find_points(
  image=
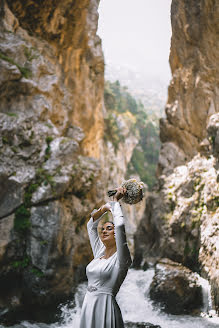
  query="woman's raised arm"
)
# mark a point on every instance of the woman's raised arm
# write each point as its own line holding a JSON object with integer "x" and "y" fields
{"x": 121, "y": 242}
{"x": 96, "y": 244}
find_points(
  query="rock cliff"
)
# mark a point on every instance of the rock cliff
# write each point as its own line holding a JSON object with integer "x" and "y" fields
{"x": 55, "y": 166}
{"x": 193, "y": 91}
{"x": 182, "y": 214}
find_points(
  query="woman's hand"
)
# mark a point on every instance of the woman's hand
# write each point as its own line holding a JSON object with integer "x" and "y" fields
{"x": 96, "y": 214}
{"x": 120, "y": 193}
{"x": 105, "y": 208}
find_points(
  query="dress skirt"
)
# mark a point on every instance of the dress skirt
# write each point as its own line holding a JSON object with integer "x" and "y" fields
{"x": 100, "y": 311}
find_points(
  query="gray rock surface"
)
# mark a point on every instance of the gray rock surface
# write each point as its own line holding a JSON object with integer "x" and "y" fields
{"x": 181, "y": 220}
{"x": 176, "y": 288}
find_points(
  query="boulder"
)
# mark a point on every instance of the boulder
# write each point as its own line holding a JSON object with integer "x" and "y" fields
{"x": 176, "y": 288}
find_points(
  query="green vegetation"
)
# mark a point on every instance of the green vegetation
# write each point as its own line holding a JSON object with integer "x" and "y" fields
{"x": 112, "y": 131}
{"x": 49, "y": 139}
{"x": 30, "y": 53}
{"x": 212, "y": 140}
{"x": 21, "y": 263}
{"x": 22, "y": 222}
{"x": 49, "y": 125}
{"x": 5, "y": 140}
{"x": 37, "y": 272}
{"x": 24, "y": 70}
{"x": 26, "y": 263}
{"x": 44, "y": 242}
{"x": 43, "y": 177}
{"x": 12, "y": 114}
{"x": 167, "y": 217}
{"x": 80, "y": 222}
{"x": 22, "y": 214}
{"x": 216, "y": 201}
{"x": 118, "y": 101}
{"x": 14, "y": 149}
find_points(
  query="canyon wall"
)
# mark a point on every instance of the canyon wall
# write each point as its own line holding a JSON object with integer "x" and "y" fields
{"x": 55, "y": 165}
{"x": 193, "y": 90}
{"x": 182, "y": 214}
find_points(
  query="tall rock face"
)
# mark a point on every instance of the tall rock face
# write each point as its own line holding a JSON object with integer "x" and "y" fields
{"x": 182, "y": 214}
{"x": 55, "y": 166}
{"x": 64, "y": 33}
{"x": 193, "y": 91}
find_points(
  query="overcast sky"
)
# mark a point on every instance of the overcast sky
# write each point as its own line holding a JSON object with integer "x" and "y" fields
{"x": 136, "y": 33}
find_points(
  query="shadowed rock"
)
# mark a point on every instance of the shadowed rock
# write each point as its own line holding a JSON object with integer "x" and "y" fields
{"x": 140, "y": 325}
{"x": 176, "y": 288}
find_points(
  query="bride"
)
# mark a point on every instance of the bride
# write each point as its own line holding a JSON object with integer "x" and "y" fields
{"x": 107, "y": 271}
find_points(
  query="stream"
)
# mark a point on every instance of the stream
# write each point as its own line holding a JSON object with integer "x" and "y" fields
{"x": 136, "y": 306}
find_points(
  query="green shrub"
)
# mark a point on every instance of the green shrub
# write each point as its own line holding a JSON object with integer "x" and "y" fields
{"x": 21, "y": 221}
{"x": 112, "y": 131}
{"x": 21, "y": 263}
{"x": 37, "y": 272}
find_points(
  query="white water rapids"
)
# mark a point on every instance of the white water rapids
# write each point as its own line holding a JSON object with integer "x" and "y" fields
{"x": 136, "y": 306}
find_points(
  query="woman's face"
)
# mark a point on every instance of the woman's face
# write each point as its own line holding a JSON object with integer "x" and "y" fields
{"x": 107, "y": 233}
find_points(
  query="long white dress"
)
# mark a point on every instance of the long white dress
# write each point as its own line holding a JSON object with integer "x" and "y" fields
{"x": 105, "y": 276}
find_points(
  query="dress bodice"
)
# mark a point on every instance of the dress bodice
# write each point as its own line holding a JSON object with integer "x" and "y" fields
{"x": 108, "y": 273}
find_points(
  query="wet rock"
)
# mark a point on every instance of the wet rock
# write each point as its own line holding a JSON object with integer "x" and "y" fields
{"x": 140, "y": 325}
{"x": 176, "y": 288}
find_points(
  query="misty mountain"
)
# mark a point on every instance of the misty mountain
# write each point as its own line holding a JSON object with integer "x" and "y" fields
{"x": 150, "y": 90}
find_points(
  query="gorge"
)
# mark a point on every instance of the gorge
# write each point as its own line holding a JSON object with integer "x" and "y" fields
{"x": 56, "y": 163}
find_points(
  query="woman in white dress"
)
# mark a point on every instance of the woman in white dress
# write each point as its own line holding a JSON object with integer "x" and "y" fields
{"x": 107, "y": 271}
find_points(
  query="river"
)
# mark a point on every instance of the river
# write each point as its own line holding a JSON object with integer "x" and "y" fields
{"x": 136, "y": 306}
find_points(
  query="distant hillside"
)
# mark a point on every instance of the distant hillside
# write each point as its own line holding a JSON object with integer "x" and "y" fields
{"x": 119, "y": 101}
{"x": 151, "y": 91}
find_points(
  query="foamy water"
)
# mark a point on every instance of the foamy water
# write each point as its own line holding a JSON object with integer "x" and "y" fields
{"x": 136, "y": 306}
